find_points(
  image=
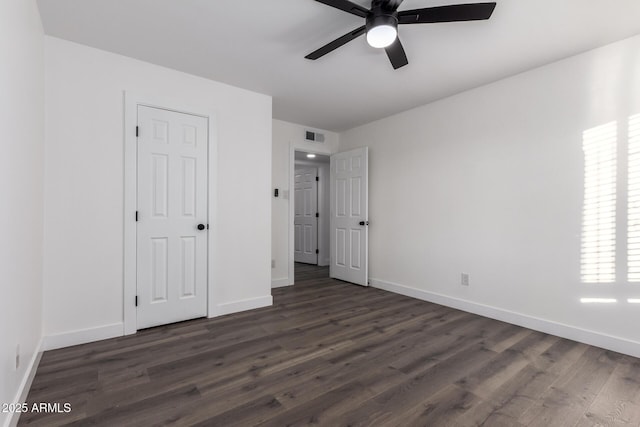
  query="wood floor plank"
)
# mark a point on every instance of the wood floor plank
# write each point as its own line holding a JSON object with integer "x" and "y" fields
{"x": 442, "y": 409}
{"x": 149, "y": 411}
{"x": 250, "y": 413}
{"x": 484, "y": 382}
{"x": 570, "y": 396}
{"x": 334, "y": 354}
{"x": 618, "y": 403}
{"x": 511, "y": 399}
{"x": 321, "y": 409}
{"x": 403, "y": 397}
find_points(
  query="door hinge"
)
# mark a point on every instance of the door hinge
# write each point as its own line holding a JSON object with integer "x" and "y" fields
{"x": 137, "y": 131}
{"x": 136, "y": 300}
{"x": 136, "y": 216}
{"x": 317, "y": 251}
{"x": 317, "y": 215}
{"x": 317, "y": 178}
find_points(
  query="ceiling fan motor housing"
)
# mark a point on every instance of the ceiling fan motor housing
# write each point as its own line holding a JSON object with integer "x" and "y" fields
{"x": 381, "y": 15}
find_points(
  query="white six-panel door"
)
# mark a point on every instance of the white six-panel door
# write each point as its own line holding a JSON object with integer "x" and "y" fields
{"x": 172, "y": 203}
{"x": 305, "y": 210}
{"x": 349, "y": 216}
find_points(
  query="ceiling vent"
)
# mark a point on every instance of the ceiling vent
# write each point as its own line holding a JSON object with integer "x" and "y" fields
{"x": 314, "y": 136}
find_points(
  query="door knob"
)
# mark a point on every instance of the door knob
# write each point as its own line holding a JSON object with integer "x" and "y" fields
{"x": 201, "y": 227}
{"x": 364, "y": 222}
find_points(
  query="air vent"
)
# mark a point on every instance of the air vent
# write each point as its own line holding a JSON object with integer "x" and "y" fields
{"x": 314, "y": 136}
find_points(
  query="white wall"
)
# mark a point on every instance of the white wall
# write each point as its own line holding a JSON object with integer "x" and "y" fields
{"x": 83, "y": 258}
{"x": 288, "y": 137}
{"x": 490, "y": 183}
{"x": 21, "y": 182}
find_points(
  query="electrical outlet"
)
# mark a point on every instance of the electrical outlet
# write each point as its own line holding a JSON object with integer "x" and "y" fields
{"x": 273, "y": 263}
{"x": 464, "y": 279}
{"x": 17, "y": 356}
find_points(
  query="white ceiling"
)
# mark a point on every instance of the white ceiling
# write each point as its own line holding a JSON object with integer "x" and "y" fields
{"x": 260, "y": 45}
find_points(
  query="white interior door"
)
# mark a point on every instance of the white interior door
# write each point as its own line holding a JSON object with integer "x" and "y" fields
{"x": 172, "y": 217}
{"x": 349, "y": 216}
{"x": 306, "y": 211}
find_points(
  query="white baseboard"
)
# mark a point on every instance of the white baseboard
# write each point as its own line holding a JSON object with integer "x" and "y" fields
{"x": 83, "y": 336}
{"x": 279, "y": 283}
{"x": 609, "y": 342}
{"x": 242, "y": 305}
{"x": 25, "y": 384}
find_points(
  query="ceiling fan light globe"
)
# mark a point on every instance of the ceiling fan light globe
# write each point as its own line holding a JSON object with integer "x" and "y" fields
{"x": 382, "y": 36}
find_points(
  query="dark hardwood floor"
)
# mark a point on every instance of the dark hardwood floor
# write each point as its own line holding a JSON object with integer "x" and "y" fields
{"x": 330, "y": 353}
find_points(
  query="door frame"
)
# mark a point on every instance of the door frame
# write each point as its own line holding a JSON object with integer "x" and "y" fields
{"x": 131, "y": 102}
{"x": 293, "y": 147}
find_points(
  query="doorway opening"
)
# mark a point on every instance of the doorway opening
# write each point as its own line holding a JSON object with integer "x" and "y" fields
{"x": 348, "y": 223}
{"x": 311, "y": 215}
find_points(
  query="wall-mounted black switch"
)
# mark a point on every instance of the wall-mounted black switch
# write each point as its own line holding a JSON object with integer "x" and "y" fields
{"x": 275, "y": 193}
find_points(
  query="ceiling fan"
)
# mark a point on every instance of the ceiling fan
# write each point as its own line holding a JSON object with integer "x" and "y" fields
{"x": 383, "y": 18}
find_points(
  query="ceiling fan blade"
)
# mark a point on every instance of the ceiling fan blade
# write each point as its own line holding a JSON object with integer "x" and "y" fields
{"x": 396, "y": 54}
{"x": 452, "y": 13}
{"x": 394, "y": 4}
{"x": 347, "y": 6}
{"x": 329, "y": 47}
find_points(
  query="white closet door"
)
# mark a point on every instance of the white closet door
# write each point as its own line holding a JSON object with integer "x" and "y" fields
{"x": 172, "y": 217}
